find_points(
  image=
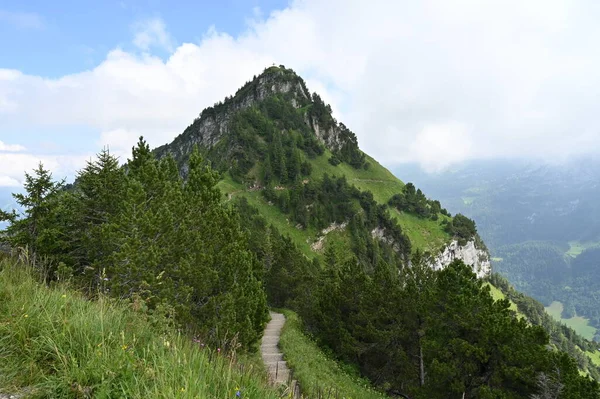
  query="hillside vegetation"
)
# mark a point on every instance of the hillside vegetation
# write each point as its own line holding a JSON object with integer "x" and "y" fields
{"x": 318, "y": 374}
{"x": 563, "y": 336}
{"x": 55, "y": 343}
{"x": 541, "y": 223}
{"x": 271, "y": 145}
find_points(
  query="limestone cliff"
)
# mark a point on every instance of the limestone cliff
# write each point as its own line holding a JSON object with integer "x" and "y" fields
{"x": 477, "y": 258}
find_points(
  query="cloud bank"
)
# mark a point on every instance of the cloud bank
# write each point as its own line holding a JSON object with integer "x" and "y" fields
{"x": 433, "y": 82}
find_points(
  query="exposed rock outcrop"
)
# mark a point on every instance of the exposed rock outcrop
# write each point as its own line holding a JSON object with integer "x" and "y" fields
{"x": 317, "y": 246}
{"x": 331, "y": 137}
{"x": 478, "y": 259}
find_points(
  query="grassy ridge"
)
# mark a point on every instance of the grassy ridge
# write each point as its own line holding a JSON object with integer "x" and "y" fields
{"x": 58, "y": 344}
{"x": 318, "y": 375}
{"x": 302, "y": 238}
{"x": 424, "y": 234}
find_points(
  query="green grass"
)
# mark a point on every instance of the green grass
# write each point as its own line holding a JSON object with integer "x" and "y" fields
{"x": 318, "y": 374}
{"x": 425, "y": 234}
{"x": 555, "y": 310}
{"x": 377, "y": 179}
{"x": 577, "y": 323}
{"x": 497, "y": 295}
{"x": 302, "y": 237}
{"x": 577, "y": 247}
{"x": 57, "y": 344}
{"x": 594, "y": 357}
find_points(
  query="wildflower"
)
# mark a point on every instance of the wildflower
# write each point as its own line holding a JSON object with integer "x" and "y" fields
{"x": 63, "y": 296}
{"x": 124, "y": 347}
{"x": 218, "y": 350}
{"x": 238, "y": 392}
{"x": 25, "y": 316}
{"x": 182, "y": 389}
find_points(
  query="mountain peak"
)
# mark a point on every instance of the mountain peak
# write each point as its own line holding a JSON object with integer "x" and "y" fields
{"x": 273, "y": 80}
{"x": 225, "y": 130}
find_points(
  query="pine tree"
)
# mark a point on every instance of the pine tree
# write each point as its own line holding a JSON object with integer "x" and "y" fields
{"x": 98, "y": 201}
{"x": 39, "y": 202}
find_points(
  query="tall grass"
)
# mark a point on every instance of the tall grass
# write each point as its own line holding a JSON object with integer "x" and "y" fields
{"x": 318, "y": 375}
{"x": 54, "y": 343}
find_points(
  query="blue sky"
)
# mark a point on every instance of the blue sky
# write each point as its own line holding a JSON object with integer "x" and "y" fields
{"x": 55, "y": 38}
{"x": 433, "y": 82}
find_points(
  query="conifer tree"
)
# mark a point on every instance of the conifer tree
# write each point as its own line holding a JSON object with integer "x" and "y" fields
{"x": 98, "y": 201}
{"x": 39, "y": 202}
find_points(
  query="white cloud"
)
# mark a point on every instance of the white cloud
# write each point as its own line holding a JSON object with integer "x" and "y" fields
{"x": 6, "y": 181}
{"x": 434, "y": 81}
{"x": 119, "y": 142}
{"x": 22, "y": 20}
{"x": 13, "y": 166}
{"x": 150, "y": 33}
{"x": 11, "y": 147}
{"x": 438, "y": 145}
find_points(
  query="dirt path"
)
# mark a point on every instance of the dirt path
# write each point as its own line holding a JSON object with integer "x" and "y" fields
{"x": 277, "y": 368}
{"x": 371, "y": 180}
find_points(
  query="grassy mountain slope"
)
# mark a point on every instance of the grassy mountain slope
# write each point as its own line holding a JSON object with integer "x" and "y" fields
{"x": 174, "y": 247}
{"x": 424, "y": 234}
{"x": 280, "y": 149}
{"x": 318, "y": 374}
{"x": 56, "y": 343}
{"x": 274, "y": 114}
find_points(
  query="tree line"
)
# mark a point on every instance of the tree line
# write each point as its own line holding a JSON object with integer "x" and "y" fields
{"x": 143, "y": 233}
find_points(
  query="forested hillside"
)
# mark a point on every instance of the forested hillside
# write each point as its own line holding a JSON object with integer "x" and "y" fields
{"x": 266, "y": 200}
{"x": 273, "y": 138}
{"x": 541, "y": 223}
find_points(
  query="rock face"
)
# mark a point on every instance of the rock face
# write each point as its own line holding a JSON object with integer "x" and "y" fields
{"x": 381, "y": 234}
{"x": 330, "y": 137}
{"x": 477, "y": 258}
{"x": 213, "y": 123}
{"x": 317, "y": 246}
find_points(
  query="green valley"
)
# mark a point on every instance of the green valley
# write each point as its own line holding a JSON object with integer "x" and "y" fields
{"x": 577, "y": 323}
